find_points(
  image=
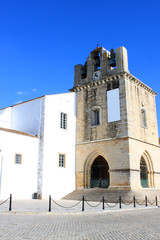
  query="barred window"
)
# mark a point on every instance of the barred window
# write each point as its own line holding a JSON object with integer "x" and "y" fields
{"x": 61, "y": 160}
{"x": 63, "y": 121}
{"x": 18, "y": 159}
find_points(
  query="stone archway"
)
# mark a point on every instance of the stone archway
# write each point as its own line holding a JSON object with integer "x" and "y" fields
{"x": 143, "y": 173}
{"x": 99, "y": 173}
{"x": 146, "y": 171}
{"x": 96, "y": 168}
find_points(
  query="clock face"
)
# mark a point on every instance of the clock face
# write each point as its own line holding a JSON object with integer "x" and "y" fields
{"x": 96, "y": 75}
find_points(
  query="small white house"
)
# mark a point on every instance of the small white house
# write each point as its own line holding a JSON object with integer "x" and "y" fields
{"x": 37, "y": 147}
{"x": 18, "y": 163}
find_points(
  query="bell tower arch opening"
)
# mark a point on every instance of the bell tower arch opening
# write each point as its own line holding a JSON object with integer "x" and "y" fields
{"x": 99, "y": 173}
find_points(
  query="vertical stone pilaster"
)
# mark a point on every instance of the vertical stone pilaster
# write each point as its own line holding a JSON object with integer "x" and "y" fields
{"x": 40, "y": 154}
{"x": 122, "y": 59}
{"x": 77, "y": 74}
{"x": 90, "y": 69}
{"x": 123, "y": 129}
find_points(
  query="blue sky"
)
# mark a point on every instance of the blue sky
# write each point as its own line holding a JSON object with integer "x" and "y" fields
{"x": 41, "y": 41}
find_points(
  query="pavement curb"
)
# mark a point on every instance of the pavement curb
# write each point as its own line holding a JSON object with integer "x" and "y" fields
{"x": 78, "y": 213}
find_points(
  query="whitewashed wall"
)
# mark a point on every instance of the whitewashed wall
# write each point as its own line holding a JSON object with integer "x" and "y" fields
{"x": 32, "y": 117}
{"x": 5, "y": 117}
{"x": 18, "y": 179}
{"x": 26, "y": 117}
{"x": 59, "y": 181}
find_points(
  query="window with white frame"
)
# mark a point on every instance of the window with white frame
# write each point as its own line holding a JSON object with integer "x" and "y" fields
{"x": 63, "y": 120}
{"x": 143, "y": 117}
{"x": 61, "y": 160}
{"x": 95, "y": 116}
{"x": 18, "y": 158}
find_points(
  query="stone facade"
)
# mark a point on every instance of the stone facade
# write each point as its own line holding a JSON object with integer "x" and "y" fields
{"x": 122, "y": 142}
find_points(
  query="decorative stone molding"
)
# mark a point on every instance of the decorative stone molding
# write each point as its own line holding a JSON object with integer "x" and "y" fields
{"x": 112, "y": 78}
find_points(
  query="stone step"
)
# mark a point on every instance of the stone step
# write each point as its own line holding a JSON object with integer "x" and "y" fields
{"x": 96, "y": 194}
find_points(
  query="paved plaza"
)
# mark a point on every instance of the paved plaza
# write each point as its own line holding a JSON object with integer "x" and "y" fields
{"x": 137, "y": 224}
{"x": 31, "y": 220}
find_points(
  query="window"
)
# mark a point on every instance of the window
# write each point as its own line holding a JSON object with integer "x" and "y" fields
{"x": 18, "y": 159}
{"x": 144, "y": 117}
{"x": 63, "y": 121}
{"x": 95, "y": 117}
{"x": 61, "y": 160}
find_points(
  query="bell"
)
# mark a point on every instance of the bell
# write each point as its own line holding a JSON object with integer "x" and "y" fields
{"x": 113, "y": 62}
{"x": 112, "y": 58}
{"x": 84, "y": 71}
{"x": 97, "y": 63}
{"x": 97, "y": 59}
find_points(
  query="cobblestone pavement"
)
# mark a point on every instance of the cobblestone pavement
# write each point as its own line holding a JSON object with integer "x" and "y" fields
{"x": 116, "y": 225}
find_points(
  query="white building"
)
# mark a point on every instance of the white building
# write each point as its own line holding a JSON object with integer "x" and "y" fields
{"x": 37, "y": 147}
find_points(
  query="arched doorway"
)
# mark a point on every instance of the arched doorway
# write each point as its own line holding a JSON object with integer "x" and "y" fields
{"x": 99, "y": 173}
{"x": 144, "y": 173}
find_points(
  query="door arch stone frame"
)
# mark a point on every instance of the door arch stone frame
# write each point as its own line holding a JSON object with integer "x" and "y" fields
{"x": 87, "y": 166}
{"x": 148, "y": 160}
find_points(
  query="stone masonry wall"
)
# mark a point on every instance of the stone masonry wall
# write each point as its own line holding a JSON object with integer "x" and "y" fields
{"x": 97, "y": 96}
{"x": 137, "y": 98}
{"x": 122, "y": 143}
{"x": 137, "y": 149}
{"x": 116, "y": 154}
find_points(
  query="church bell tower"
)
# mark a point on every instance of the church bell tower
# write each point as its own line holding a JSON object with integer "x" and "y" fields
{"x": 114, "y": 129}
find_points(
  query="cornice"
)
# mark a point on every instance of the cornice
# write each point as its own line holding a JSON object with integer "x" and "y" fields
{"x": 107, "y": 79}
{"x": 117, "y": 139}
{"x": 139, "y": 83}
{"x": 102, "y": 81}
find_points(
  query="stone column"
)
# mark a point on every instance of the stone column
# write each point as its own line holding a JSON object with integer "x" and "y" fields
{"x": 122, "y": 59}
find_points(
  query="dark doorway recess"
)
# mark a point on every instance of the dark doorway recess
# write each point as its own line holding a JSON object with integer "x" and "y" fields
{"x": 99, "y": 173}
{"x": 143, "y": 173}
